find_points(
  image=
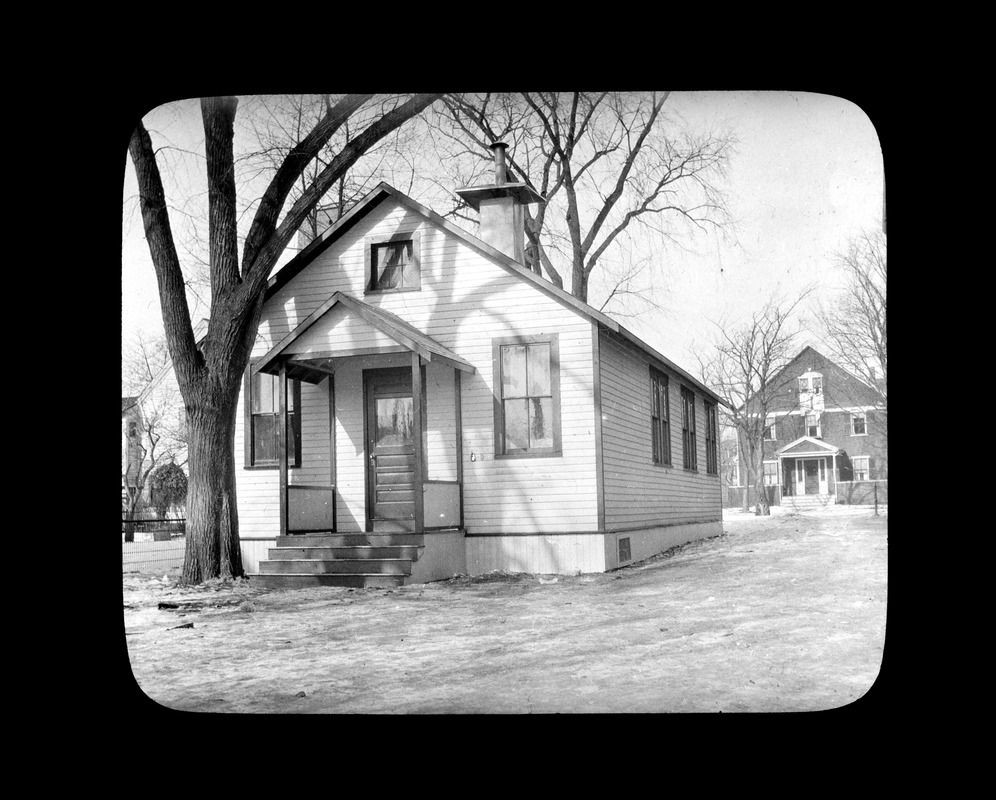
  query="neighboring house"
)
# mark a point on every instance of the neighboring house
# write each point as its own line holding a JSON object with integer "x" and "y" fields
{"x": 443, "y": 398}
{"x": 154, "y": 427}
{"x": 826, "y": 432}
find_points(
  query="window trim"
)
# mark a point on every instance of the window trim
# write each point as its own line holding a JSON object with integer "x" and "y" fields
{"x": 661, "y": 426}
{"x": 370, "y": 242}
{"x": 777, "y": 474}
{"x": 552, "y": 339}
{"x": 864, "y": 416}
{"x": 293, "y": 385}
{"x": 690, "y": 460}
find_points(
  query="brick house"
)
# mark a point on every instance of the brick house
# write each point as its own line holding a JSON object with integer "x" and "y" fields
{"x": 826, "y": 439}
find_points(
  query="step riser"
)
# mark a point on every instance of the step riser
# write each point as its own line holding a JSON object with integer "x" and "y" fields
{"x": 305, "y": 581}
{"x": 353, "y": 540}
{"x": 329, "y": 553}
{"x": 343, "y": 567}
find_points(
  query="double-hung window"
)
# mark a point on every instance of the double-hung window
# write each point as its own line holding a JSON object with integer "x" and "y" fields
{"x": 690, "y": 458}
{"x": 770, "y": 431}
{"x": 660, "y": 417}
{"x": 813, "y": 426}
{"x": 527, "y": 396}
{"x": 859, "y": 426}
{"x": 263, "y": 421}
{"x": 711, "y": 439}
{"x": 860, "y": 466}
{"x": 770, "y": 476}
{"x": 393, "y": 263}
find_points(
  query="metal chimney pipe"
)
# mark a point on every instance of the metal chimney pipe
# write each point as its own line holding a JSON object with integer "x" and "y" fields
{"x": 499, "y": 148}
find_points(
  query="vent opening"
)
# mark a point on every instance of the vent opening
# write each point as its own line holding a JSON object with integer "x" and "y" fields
{"x": 624, "y": 551}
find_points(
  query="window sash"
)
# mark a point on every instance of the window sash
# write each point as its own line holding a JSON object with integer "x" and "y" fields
{"x": 688, "y": 429}
{"x": 859, "y": 421}
{"x": 712, "y": 454}
{"x": 527, "y": 409}
{"x": 660, "y": 426}
{"x": 263, "y": 420}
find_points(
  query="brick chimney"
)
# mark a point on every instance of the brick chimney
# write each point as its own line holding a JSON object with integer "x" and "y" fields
{"x": 501, "y": 206}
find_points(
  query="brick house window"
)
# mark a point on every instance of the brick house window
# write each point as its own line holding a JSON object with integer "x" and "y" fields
{"x": 813, "y": 426}
{"x": 770, "y": 477}
{"x": 660, "y": 417}
{"x": 689, "y": 455}
{"x": 770, "y": 430}
{"x": 861, "y": 467}
{"x": 859, "y": 425}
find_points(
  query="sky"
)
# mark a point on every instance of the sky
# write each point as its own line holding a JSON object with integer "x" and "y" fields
{"x": 806, "y": 176}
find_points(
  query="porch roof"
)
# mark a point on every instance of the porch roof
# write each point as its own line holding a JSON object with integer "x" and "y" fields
{"x": 807, "y": 446}
{"x": 391, "y": 325}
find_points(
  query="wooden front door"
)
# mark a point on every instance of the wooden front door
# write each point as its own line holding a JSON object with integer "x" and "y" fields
{"x": 390, "y": 449}
{"x": 812, "y": 476}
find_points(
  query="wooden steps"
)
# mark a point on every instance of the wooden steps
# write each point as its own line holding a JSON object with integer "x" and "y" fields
{"x": 346, "y": 559}
{"x": 808, "y": 502}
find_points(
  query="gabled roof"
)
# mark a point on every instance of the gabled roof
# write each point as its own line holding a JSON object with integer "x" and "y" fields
{"x": 199, "y": 331}
{"x": 387, "y": 323}
{"x": 807, "y": 446}
{"x": 384, "y": 191}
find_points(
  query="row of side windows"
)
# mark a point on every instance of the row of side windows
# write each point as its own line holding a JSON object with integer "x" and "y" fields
{"x": 660, "y": 426}
{"x": 813, "y": 426}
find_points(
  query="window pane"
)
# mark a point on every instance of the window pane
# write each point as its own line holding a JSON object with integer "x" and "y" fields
{"x": 513, "y": 371}
{"x": 262, "y": 391}
{"x": 293, "y": 433}
{"x": 539, "y": 369}
{"x": 541, "y": 422}
{"x": 264, "y": 438}
{"x": 516, "y": 425}
{"x": 389, "y": 263}
{"x": 395, "y": 422}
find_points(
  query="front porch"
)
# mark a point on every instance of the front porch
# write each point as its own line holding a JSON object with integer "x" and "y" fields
{"x": 380, "y": 429}
{"x": 808, "y": 470}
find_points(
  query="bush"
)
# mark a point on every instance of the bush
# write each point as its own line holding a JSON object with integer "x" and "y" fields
{"x": 167, "y": 488}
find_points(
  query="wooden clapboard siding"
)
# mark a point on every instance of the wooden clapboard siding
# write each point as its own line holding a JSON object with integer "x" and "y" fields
{"x": 464, "y": 303}
{"x": 637, "y": 491}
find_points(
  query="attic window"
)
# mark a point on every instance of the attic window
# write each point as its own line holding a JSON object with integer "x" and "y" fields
{"x": 811, "y": 382}
{"x": 393, "y": 263}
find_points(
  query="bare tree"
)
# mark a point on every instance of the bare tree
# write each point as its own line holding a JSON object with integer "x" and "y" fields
{"x": 210, "y": 374}
{"x": 854, "y": 323}
{"x": 603, "y": 161}
{"x": 744, "y": 369}
{"x": 155, "y": 422}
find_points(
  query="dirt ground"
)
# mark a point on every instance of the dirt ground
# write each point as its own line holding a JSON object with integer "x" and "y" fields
{"x": 781, "y": 613}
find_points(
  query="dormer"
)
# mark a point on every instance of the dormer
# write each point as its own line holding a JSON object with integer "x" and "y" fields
{"x": 811, "y": 390}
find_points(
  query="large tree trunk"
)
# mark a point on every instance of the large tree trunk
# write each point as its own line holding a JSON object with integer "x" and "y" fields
{"x": 212, "y": 520}
{"x": 763, "y": 509}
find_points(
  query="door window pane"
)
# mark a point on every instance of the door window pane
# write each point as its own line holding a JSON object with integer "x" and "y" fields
{"x": 395, "y": 422}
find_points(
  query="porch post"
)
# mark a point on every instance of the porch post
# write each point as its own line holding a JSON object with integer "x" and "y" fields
{"x": 834, "y": 473}
{"x": 282, "y": 446}
{"x": 458, "y": 410}
{"x": 418, "y": 401}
